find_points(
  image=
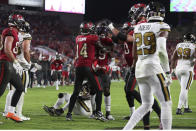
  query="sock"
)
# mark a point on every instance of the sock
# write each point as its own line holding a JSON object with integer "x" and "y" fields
{"x": 146, "y": 121}
{"x": 8, "y": 100}
{"x": 20, "y": 105}
{"x": 132, "y": 109}
{"x": 107, "y": 100}
{"x": 57, "y": 85}
{"x": 186, "y": 105}
{"x": 66, "y": 106}
{"x": 137, "y": 116}
{"x": 166, "y": 115}
{"x": 93, "y": 102}
{"x": 98, "y": 100}
{"x": 59, "y": 102}
{"x": 12, "y": 109}
{"x": 182, "y": 98}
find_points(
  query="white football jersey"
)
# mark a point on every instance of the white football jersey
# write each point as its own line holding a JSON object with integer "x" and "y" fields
{"x": 185, "y": 52}
{"x": 146, "y": 35}
{"x": 20, "y": 56}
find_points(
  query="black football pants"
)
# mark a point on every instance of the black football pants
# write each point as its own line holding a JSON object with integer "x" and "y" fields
{"x": 8, "y": 75}
{"x": 81, "y": 74}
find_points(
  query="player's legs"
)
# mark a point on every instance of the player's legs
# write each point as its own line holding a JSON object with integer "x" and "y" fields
{"x": 79, "y": 77}
{"x": 8, "y": 99}
{"x": 186, "y": 79}
{"x": 147, "y": 102}
{"x": 163, "y": 95}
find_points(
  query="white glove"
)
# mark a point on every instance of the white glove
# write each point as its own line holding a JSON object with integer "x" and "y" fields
{"x": 168, "y": 80}
{"x": 37, "y": 66}
{"x": 17, "y": 67}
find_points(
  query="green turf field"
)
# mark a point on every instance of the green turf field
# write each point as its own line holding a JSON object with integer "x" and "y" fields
{"x": 37, "y": 97}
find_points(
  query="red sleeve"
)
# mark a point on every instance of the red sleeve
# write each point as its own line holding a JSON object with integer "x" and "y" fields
{"x": 9, "y": 32}
{"x": 131, "y": 33}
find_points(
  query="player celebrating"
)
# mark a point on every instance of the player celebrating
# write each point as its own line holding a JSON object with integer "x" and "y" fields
{"x": 152, "y": 67}
{"x": 9, "y": 65}
{"x": 184, "y": 54}
{"x": 137, "y": 16}
{"x": 56, "y": 67}
{"x": 23, "y": 57}
{"x": 101, "y": 66}
{"x": 85, "y": 54}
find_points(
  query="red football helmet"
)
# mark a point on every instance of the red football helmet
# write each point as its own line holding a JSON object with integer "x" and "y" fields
{"x": 87, "y": 28}
{"x": 16, "y": 20}
{"x": 136, "y": 11}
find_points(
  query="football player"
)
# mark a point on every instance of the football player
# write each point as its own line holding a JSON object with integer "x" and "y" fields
{"x": 152, "y": 68}
{"x": 23, "y": 57}
{"x": 184, "y": 55}
{"x": 101, "y": 67}
{"x": 82, "y": 106}
{"x": 137, "y": 16}
{"x": 56, "y": 69}
{"x": 9, "y": 65}
{"x": 86, "y": 44}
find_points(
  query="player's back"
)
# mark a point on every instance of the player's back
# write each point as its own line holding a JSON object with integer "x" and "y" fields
{"x": 185, "y": 52}
{"x": 146, "y": 35}
{"x": 85, "y": 52}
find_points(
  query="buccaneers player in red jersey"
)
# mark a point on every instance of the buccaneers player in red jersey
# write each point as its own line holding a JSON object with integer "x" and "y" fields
{"x": 56, "y": 69}
{"x": 85, "y": 54}
{"x": 9, "y": 66}
{"x": 101, "y": 66}
{"x": 136, "y": 16}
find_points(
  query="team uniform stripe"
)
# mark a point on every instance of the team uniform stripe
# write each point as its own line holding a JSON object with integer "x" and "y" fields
{"x": 163, "y": 87}
{"x": 189, "y": 81}
{"x": 133, "y": 85}
{"x": 165, "y": 29}
{"x": 83, "y": 104}
{"x": 2, "y": 73}
{"x": 97, "y": 81}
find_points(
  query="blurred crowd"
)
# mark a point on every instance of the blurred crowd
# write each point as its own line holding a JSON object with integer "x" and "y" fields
{"x": 50, "y": 31}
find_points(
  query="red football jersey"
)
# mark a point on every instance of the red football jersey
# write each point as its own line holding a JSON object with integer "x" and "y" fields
{"x": 85, "y": 52}
{"x": 103, "y": 57}
{"x": 57, "y": 65}
{"x": 15, "y": 45}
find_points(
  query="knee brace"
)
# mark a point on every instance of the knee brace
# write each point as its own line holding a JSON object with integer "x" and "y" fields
{"x": 60, "y": 95}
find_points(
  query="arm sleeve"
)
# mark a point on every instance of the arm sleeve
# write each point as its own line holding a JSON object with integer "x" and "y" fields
{"x": 161, "y": 42}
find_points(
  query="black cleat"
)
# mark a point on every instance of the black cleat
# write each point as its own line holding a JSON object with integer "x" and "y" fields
{"x": 179, "y": 112}
{"x": 187, "y": 110}
{"x": 126, "y": 118}
{"x": 49, "y": 110}
{"x": 59, "y": 112}
{"x": 99, "y": 116}
{"x": 69, "y": 117}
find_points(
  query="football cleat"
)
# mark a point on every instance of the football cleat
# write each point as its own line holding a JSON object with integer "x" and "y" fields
{"x": 179, "y": 112}
{"x": 59, "y": 112}
{"x": 24, "y": 118}
{"x": 187, "y": 110}
{"x": 13, "y": 117}
{"x": 4, "y": 114}
{"x": 93, "y": 115}
{"x": 126, "y": 118}
{"x": 69, "y": 117}
{"x": 49, "y": 110}
{"x": 110, "y": 117}
{"x": 99, "y": 116}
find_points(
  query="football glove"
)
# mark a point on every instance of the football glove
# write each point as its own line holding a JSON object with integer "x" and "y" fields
{"x": 17, "y": 67}
{"x": 168, "y": 80}
{"x": 173, "y": 72}
{"x": 37, "y": 66}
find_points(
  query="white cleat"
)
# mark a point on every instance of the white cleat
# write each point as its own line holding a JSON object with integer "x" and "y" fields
{"x": 57, "y": 88}
{"x": 110, "y": 117}
{"x": 24, "y": 118}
